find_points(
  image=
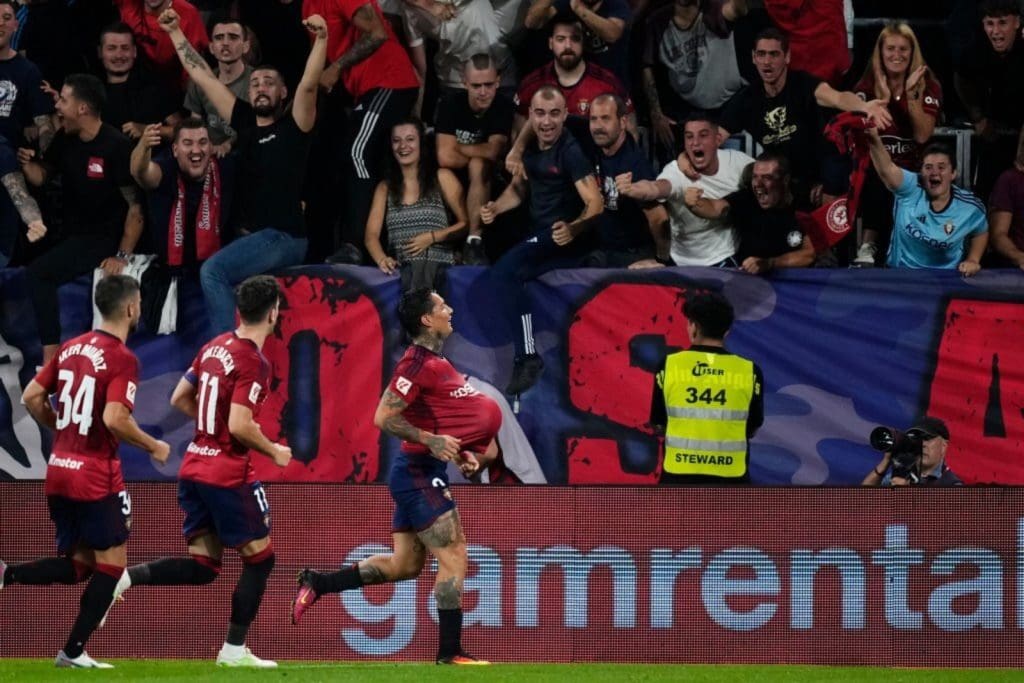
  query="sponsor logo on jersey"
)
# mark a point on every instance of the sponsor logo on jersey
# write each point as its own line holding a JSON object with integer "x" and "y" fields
{"x": 403, "y": 385}
{"x": 464, "y": 391}
{"x": 65, "y": 463}
{"x": 254, "y": 392}
{"x": 202, "y": 450}
{"x": 129, "y": 393}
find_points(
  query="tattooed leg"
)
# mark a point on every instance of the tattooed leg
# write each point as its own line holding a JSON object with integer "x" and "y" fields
{"x": 447, "y": 543}
{"x": 446, "y": 531}
{"x": 405, "y": 563}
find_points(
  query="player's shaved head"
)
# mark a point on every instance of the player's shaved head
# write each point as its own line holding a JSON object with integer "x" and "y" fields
{"x": 256, "y": 297}
{"x": 112, "y": 293}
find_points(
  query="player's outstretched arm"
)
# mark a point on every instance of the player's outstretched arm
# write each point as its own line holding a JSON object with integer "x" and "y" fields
{"x": 120, "y": 422}
{"x": 244, "y": 428}
{"x": 37, "y": 401}
{"x": 389, "y": 419}
{"x": 184, "y": 397}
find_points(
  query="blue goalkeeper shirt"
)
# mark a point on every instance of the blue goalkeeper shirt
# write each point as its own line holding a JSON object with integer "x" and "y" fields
{"x": 924, "y": 238}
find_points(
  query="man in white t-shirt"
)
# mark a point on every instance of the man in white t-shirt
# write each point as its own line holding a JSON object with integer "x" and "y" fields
{"x": 698, "y": 241}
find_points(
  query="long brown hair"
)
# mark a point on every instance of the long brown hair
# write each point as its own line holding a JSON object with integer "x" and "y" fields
{"x": 426, "y": 170}
{"x": 891, "y": 30}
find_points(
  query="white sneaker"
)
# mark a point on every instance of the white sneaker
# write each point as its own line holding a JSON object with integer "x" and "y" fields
{"x": 241, "y": 656}
{"x": 82, "y": 661}
{"x": 122, "y": 585}
{"x": 866, "y": 255}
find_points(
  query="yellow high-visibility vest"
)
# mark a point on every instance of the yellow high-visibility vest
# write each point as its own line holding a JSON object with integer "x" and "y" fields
{"x": 707, "y": 398}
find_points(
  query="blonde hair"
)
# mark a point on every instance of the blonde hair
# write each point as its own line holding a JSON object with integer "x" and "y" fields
{"x": 876, "y": 65}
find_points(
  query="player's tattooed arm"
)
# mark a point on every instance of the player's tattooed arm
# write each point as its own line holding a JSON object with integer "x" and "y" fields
{"x": 389, "y": 418}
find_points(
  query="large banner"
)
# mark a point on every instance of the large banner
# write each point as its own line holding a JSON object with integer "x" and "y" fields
{"x": 909, "y": 577}
{"x": 842, "y": 351}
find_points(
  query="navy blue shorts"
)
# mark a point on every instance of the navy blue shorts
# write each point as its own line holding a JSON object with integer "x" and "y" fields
{"x": 97, "y": 524}
{"x": 417, "y": 509}
{"x": 236, "y": 515}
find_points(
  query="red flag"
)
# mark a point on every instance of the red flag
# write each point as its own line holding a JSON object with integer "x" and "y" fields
{"x": 831, "y": 222}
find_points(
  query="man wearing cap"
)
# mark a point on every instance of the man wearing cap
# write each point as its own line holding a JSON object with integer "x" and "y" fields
{"x": 934, "y": 442}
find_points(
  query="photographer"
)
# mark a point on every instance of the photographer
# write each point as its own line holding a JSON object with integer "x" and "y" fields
{"x": 917, "y": 457}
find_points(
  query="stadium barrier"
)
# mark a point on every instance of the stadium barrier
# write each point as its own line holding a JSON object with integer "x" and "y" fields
{"x": 923, "y": 577}
{"x": 842, "y": 351}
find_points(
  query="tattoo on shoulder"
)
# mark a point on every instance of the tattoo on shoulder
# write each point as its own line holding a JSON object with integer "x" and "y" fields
{"x": 393, "y": 400}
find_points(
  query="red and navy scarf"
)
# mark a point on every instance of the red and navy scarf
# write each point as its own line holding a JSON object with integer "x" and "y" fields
{"x": 207, "y": 219}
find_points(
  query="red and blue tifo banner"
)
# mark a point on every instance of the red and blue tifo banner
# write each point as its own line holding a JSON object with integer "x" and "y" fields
{"x": 825, "y": 575}
{"x": 842, "y": 351}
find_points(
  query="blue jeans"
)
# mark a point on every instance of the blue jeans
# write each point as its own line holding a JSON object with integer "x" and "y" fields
{"x": 527, "y": 261}
{"x": 260, "y": 252}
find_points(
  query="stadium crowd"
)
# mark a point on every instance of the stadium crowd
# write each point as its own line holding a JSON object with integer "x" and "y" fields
{"x": 527, "y": 134}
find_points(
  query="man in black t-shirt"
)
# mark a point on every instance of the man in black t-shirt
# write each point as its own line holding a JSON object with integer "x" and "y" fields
{"x": 22, "y": 104}
{"x": 189, "y": 194}
{"x": 783, "y": 114}
{"x": 472, "y": 132}
{"x": 627, "y": 229}
{"x": 564, "y": 200}
{"x": 764, "y": 218}
{"x": 134, "y": 98}
{"x": 102, "y": 212}
{"x": 273, "y": 145}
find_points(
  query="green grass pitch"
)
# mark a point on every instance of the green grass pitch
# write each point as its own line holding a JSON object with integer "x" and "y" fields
{"x": 193, "y": 671}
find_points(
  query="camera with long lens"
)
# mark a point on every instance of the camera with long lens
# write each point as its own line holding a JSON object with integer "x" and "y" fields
{"x": 906, "y": 449}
